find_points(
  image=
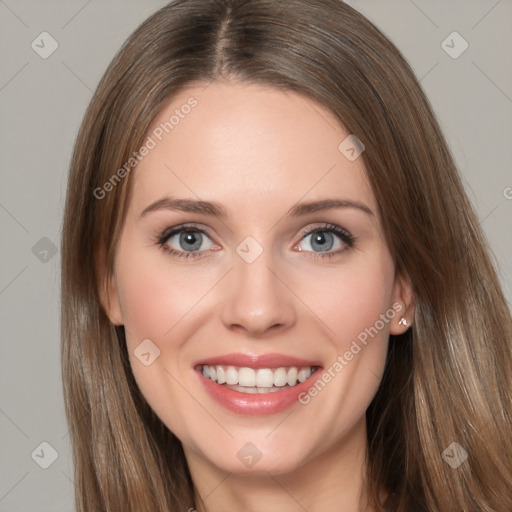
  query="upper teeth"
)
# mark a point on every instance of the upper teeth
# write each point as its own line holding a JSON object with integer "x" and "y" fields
{"x": 262, "y": 377}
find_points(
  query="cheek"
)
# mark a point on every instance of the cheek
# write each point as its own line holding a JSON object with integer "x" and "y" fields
{"x": 352, "y": 302}
{"x": 352, "y": 298}
{"x": 166, "y": 304}
{"x": 157, "y": 303}
{"x": 355, "y": 302}
{"x": 154, "y": 299}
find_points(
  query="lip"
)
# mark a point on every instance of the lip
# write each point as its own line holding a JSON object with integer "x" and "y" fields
{"x": 257, "y": 361}
{"x": 260, "y": 404}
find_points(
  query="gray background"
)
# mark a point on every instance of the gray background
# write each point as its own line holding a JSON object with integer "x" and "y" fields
{"x": 42, "y": 102}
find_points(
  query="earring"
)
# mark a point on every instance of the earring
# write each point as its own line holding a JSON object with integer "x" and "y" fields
{"x": 403, "y": 321}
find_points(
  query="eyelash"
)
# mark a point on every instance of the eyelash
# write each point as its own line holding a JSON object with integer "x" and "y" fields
{"x": 343, "y": 234}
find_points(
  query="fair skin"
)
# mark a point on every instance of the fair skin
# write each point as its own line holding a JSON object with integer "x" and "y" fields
{"x": 258, "y": 152}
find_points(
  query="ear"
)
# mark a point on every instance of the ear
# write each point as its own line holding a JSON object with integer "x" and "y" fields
{"x": 403, "y": 305}
{"x": 108, "y": 291}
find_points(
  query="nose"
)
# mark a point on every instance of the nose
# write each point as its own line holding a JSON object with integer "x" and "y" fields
{"x": 257, "y": 300}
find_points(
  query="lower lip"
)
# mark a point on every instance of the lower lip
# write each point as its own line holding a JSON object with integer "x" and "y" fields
{"x": 260, "y": 404}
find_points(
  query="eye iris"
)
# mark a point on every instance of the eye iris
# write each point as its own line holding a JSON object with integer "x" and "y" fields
{"x": 322, "y": 238}
{"x": 191, "y": 237}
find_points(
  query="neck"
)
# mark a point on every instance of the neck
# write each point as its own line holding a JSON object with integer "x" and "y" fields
{"x": 330, "y": 480}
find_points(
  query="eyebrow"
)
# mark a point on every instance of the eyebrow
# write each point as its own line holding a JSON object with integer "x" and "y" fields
{"x": 217, "y": 210}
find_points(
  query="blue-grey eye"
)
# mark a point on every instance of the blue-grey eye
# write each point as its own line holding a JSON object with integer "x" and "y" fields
{"x": 188, "y": 240}
{"x": 323, "y": 240}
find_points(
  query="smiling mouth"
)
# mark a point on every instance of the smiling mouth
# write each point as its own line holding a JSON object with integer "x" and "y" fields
{"x": 261, "y": 380}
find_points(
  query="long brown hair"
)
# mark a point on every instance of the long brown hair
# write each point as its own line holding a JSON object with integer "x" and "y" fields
{"x": 447, "y": 378}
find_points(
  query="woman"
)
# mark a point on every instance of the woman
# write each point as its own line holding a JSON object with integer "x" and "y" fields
{"x": 337, "y": 338}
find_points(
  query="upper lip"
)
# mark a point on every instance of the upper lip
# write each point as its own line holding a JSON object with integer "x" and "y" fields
{"x": 257, "y": 361}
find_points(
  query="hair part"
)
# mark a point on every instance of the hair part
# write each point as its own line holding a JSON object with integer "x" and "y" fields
{"x": 447, "y": 379}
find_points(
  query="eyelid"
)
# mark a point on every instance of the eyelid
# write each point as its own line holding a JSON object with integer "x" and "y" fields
{"x": 171, "y": 231}
{"x": 325, "y": 226}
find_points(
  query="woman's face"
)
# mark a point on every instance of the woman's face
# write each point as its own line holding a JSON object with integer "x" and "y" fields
{"x": 263, "y": 287}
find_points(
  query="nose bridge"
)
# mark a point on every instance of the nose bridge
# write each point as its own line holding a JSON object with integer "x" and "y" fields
{"x": 256, "y": 299}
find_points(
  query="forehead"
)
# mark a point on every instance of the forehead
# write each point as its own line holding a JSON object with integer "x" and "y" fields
{"x": 248, "y": 147}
